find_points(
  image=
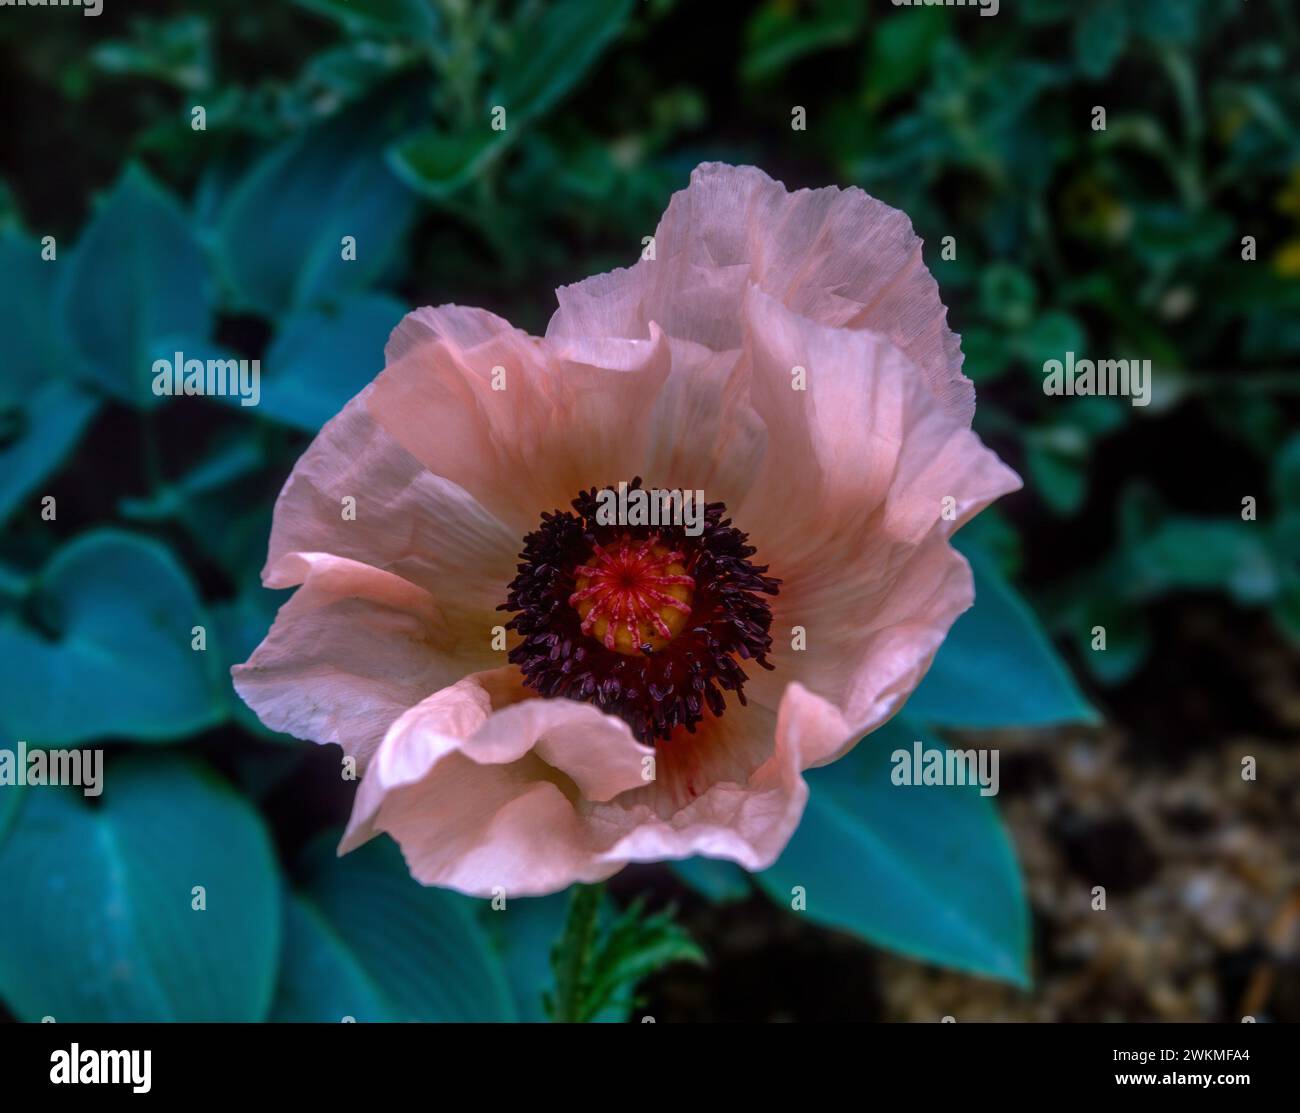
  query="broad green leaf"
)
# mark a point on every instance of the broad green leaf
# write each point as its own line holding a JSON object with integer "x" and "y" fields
{"x": 232, "y": 460}
{"x": 11, "y": 796}
{"x": 138, "y": 277}
{"x": 224, "y": 502}
{"x": 404, "y": 18}
{"x": 523, "y": 934}
{"x": 99, "y": 921}
{"x": 280, "y": 235}
{"x": 925, "y": 870}
{"x": 113, "y": 655}
{"x": 363, "y": 939}
{"x": 437, "y": 164}
{"x": 36, "y": 351}
{"x": 321, "y": 358}
{"x": 997, "y": 667}
{"x": 52, "y": 423}
{"x": 551, "y": 50}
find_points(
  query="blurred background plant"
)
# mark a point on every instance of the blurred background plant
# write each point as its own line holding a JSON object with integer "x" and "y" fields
{"x": 372, "y": 119}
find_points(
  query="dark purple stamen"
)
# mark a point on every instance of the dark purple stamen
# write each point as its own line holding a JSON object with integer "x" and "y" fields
{"x": 671, "y": 681}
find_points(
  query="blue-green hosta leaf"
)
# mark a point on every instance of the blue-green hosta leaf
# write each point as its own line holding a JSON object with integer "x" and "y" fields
{"x": 52, "y": 423}
{"x": 115, "y": 656}
{"x": 280, "y": 235}
{"x": 35, "y": 350}
{"x": 323, "y": 357}
{"x": 924, "y": 870}
{"x": 364, "y": 940}
{"x": 211, "y": 502}
{"x": 138, "y": 276}
{"x": 997, "y": 667}
{"x": 233, "y": 459}
{"x": 99, "y": 920}
{"x": 522, "y": 933}
{"x": 11, "y": 796}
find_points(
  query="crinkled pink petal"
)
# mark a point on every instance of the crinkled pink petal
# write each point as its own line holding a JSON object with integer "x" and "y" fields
{"x": 735, "y": 793}
{"x": 703, "y": 433}
{"x": 521, "y": 424}
{"x": 483, "y": 800}
{"x": 879, "y": 458}
{"x": 487, "y": 791}
{"x": 867, "y": 644}
{"x": 838, "y": 257}
{"x": 407, "y": 520}
{"x": 351, "y": 650}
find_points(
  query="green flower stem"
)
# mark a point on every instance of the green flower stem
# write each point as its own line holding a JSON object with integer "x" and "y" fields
{"x": 574, "y": 953}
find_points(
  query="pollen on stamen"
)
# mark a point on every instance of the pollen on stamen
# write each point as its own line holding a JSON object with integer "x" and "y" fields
{"x": 633, "y": 595}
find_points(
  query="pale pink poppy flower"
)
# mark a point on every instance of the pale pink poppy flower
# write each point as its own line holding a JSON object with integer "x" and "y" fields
{"x": 785, "y": 353}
